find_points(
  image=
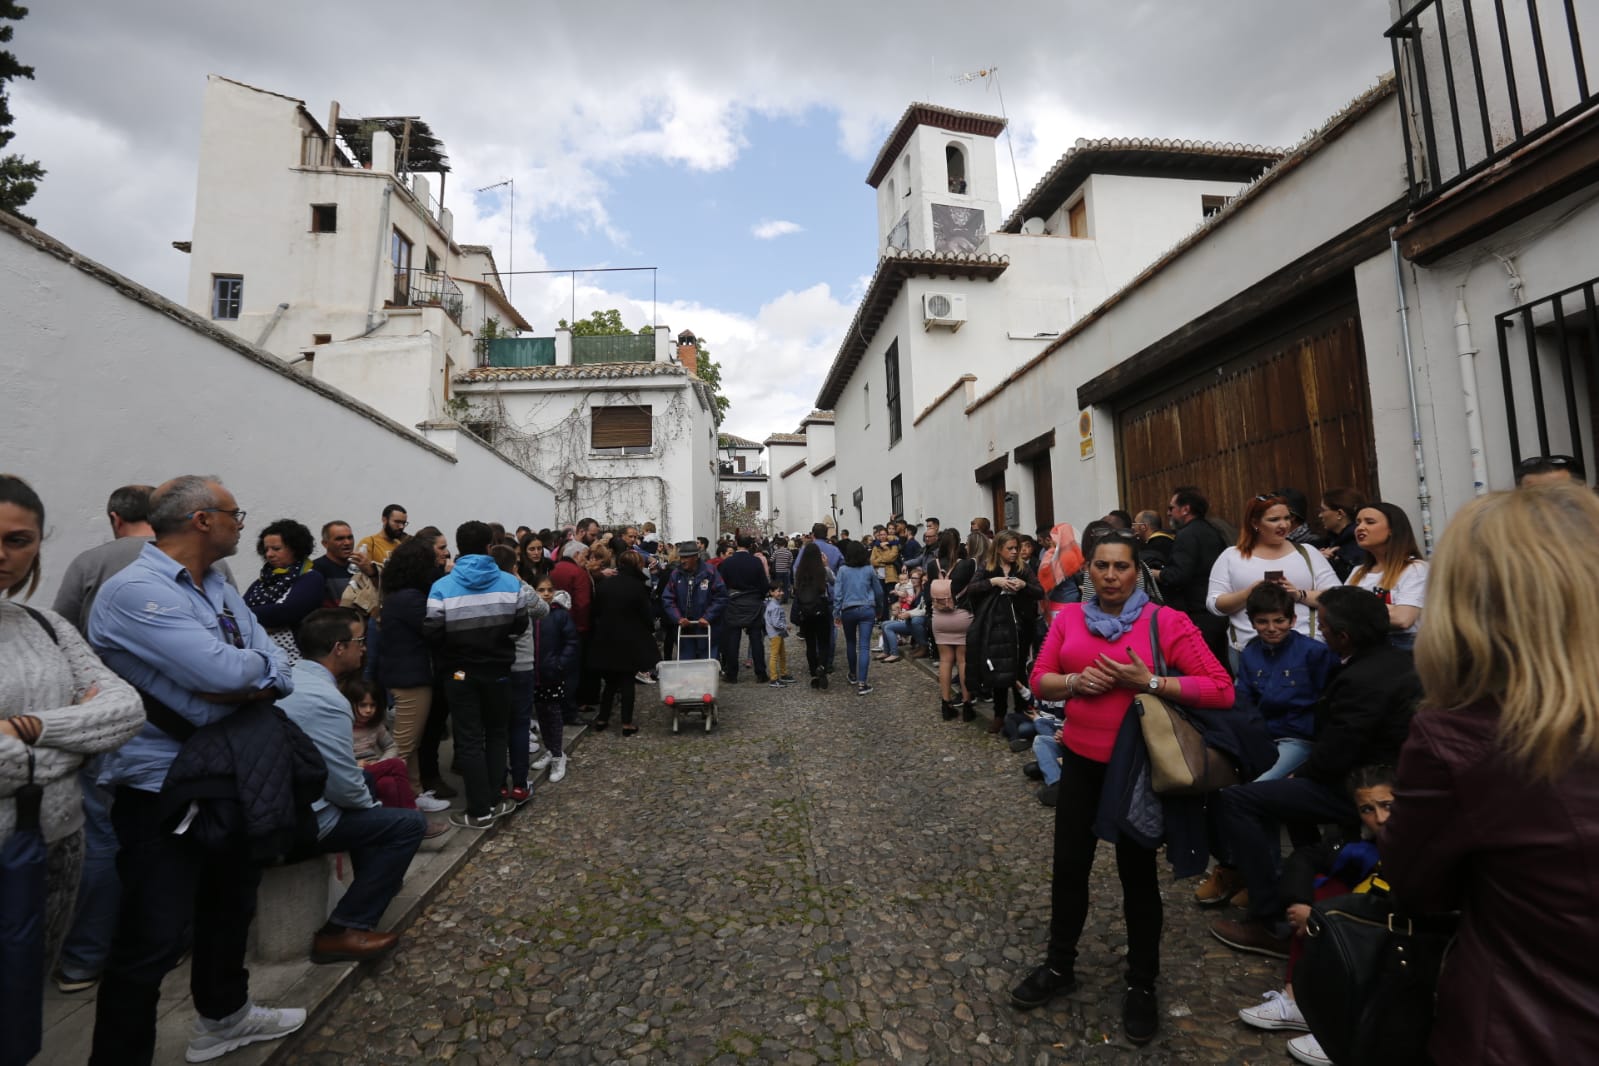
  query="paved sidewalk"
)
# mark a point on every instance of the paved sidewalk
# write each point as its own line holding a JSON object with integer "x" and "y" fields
{"x": 825, "y": 878}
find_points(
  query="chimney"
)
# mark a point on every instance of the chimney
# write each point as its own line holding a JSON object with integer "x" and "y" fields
{"x": 688, "y": 352}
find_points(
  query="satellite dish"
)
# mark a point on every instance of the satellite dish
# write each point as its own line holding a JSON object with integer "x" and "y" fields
{"x": 1033, "y": 226}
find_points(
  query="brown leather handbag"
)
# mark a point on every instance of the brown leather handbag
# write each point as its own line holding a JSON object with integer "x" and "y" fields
{"x": 1180, "y": 762}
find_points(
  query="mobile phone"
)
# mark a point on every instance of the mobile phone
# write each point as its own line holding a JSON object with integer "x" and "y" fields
{"x": 1274, "y": 575}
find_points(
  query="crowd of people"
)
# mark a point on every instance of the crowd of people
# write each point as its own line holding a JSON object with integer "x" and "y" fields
{"x": 322, "y": 693}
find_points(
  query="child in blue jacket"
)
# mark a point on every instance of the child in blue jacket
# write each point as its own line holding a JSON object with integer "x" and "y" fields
{"x": 1283, "y": 673}
{"x": 554, "y": 655}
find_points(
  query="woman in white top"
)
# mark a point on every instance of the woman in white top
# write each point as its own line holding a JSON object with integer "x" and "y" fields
{"x": 1397, "y": 572}
{"x": 1264, "y": 553}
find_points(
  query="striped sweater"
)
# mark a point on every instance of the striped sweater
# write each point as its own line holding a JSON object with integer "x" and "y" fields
{"x": 474, "y": 615}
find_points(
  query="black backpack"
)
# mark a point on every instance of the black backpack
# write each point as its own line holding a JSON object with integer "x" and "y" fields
{"x": 810, "y": 606}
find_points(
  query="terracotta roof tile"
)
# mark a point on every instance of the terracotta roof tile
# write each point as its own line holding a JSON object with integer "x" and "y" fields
{"x": 945, "y": 118}
{"x": 785, "y": 438}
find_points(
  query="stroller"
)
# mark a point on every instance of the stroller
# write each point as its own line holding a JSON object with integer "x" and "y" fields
{"x": 690, "y": 685}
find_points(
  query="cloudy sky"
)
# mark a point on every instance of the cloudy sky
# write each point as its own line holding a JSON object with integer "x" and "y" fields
{"x": 724, "y": 143}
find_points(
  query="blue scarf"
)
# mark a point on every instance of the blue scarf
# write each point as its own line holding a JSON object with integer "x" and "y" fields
{"x": 1114, "y": 627}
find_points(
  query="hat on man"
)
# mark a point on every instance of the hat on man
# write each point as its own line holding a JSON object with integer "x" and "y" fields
{"x": 686, "y": 548}
{"x": 1295, "y": 500}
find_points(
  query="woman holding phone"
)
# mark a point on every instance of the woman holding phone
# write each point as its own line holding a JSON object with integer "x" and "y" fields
{"x": 1264, "y": 553}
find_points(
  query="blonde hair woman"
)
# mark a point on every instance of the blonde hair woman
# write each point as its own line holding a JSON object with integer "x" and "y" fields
{"x": 1496, "y": 808}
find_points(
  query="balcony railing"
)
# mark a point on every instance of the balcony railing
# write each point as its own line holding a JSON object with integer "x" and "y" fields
{"x": 1481, "y": 78}
{"x": 517, "y": 351}
{"x": 422, "y": 288}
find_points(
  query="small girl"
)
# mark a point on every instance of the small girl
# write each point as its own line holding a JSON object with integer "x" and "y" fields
{"x": 554, "y": 655}
{"x": 375, "y": 749}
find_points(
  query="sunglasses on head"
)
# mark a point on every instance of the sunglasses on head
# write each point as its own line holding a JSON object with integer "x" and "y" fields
{"x": 1538, "y": 462}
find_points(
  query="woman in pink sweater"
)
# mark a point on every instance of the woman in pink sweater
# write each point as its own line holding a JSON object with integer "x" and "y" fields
{"x": 1097, "y": 657}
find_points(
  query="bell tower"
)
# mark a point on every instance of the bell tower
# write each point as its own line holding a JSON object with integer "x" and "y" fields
{"x": 937, "y": 181}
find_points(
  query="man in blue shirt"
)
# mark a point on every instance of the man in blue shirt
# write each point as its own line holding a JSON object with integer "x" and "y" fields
{"x": 381, "y": 840}
{"x": 176, "y": 630}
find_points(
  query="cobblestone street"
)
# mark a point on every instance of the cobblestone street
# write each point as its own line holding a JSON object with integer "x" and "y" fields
{"x": 825, "y": 878}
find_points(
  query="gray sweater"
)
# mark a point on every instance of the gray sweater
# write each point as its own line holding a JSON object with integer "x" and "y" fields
{"x": 40, "y": 678}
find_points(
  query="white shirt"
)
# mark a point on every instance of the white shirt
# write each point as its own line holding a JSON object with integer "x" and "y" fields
{"x": 1409, "y": 591}
{"x": 1304, "y": 569}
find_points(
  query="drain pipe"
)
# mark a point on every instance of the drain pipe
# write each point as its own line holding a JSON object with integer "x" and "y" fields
{"x": 375, "y": 318}
{"x": 272, "y": 323}
{"x": 1468, "y": 386}
{"x": 1423, "y": 496}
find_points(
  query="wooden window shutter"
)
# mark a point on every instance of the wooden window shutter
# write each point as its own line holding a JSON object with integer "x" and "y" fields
{"x": 621, "y": 427}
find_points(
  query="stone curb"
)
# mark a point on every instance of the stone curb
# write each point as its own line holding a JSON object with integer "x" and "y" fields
{"x": 353, "y": 973}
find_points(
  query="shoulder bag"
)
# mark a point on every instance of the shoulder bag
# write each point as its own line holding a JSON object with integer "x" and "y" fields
{"x": 1180, "y": 762}
{"x": 1369, "y": 976}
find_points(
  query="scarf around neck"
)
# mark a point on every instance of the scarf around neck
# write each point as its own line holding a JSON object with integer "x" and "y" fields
{"x": 1111, "y": 626}
{"x": 274, "y": 584}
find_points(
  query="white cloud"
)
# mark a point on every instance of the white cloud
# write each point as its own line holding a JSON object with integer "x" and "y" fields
{"x": 769, "y": 228}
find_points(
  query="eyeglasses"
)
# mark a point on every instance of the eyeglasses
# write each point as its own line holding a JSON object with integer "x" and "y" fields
{"x": 400, "y": 523}
{"x": 238, "y": 516}
{"x": 354, "y": 640}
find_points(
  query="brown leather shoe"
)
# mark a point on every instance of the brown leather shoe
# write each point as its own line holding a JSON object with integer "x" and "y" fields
{"x": 1219, "y": 887}
{"x": 1251, "y": 936}
{"x": 352, "y": 945}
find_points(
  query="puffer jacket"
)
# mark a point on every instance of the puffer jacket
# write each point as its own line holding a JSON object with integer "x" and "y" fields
{"x": 1002, "y": 624}
{"x": 254, "y": 775}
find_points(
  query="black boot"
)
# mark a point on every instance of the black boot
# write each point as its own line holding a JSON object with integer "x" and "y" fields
{"x": 1140, "y": 1017}
{"x": 968, "y": 712}
{"x": 947, "y": 709}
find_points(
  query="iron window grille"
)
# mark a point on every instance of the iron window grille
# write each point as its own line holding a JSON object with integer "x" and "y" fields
{"x": 1549, "y": 361}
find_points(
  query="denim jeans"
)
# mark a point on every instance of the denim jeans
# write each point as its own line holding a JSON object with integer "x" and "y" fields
{"x": 522, "y": 684}
{"x": 900, "y": 628}
{"x": 94, "y": 921}
{"x": 1248, "y": 817}
{"x": 1047, "y": 750}
{"x": 481, "y": 707}
{"x": 381, "y": 842}
{"x": 858, "y": 640}
{"x": 167, "y": 887}
{"x": 732, "y": 643}
{"x": 1291, "y": 751}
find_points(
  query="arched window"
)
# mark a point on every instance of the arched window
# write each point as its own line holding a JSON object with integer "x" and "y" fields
{"x": 955, "y": 165}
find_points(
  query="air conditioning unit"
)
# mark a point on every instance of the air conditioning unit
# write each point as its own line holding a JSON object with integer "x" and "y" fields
{"x": 943, "y": 309}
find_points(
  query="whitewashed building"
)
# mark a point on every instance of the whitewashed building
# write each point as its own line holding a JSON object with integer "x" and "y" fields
{"x": 803, "y": 475}
{"x": 329, "y": 246}
{"x": 622, "y": 423}
{"x": 742, "y": 477}
{"x": 785, "y": 456}
{"x": 1403, "y": 304}
{"x": 962, "y": 298}
{"x": 105, "y": 383}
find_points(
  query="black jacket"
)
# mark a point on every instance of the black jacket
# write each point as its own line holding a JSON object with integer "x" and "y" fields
{"x": 404, "y": 660}
{"x": 254, "y": 775}
{"x": 1363, "y": 718}
{"x": 1002, "y": 625}
{"x": 622, "y": 637}
{"x": 1186, "y": 578}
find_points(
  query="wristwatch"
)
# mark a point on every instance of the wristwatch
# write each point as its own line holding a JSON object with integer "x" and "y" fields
{"x": 1154, "y": 683}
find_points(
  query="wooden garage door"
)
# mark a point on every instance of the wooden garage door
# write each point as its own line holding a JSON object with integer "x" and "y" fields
{"x": 1292, "y": 412}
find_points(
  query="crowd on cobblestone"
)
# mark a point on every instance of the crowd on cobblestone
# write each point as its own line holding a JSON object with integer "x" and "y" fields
{"x": 182, "y": 734}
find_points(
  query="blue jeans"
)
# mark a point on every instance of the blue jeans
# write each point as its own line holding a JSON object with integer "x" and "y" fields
{"x": 381, "y": 841}
{"x": 522, "y": 684}
{"x": 913, "y": 628}
{"x": 94, "y": 922}
{"x": 1047, "y": 749}
{"x": 858, "y": 639}
{"x": 1291, "y": 751}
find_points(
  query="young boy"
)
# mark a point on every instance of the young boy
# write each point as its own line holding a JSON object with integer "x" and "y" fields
{"x": 776, "y": 632}
{"x": 1323, "y": 871}
{"x": 1282, "y": 673}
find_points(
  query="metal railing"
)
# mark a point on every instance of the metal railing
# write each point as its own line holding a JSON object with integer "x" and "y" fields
{"x": 1481, "y": 78}
{"x": 1559, "y": 339}
{"x": 421, "y": 288}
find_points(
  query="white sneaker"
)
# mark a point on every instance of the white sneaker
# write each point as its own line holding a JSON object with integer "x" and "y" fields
{"x": 541, "y": 762}
{"x": 532, "y": 743}
{"x": 557, "y": 769}
{"x": 430, "y": 803}
{"x": 1275, "y": 1011}
{"x": 1307, "y": 1049}
{"x": 643, "y": 677}
{"x": 258, "y": 1024}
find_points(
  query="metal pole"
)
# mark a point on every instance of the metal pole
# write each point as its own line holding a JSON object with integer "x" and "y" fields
{"x": 1423, "y": 496}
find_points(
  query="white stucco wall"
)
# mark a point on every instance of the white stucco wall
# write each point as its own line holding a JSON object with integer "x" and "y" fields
{"x": 673, "y": 486}
{"x": 104, "y": 384}
{"x": 1133, "y": 221}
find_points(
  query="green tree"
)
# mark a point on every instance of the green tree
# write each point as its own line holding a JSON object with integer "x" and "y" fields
{"x": 599, "y": 324}
{"x": 709, "y": 371}
{"x": 19, "y": 178}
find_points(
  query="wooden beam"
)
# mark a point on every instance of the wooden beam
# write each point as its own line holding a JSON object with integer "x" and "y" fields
{"x": 1531, "y": 179}
{"x": 990, "y": 471}
{"x": 1356, "y": 244}
{"x": 1026, "y": 453}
